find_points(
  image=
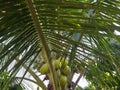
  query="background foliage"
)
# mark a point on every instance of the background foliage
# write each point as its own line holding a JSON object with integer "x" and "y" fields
{"x": 81, "y": 31}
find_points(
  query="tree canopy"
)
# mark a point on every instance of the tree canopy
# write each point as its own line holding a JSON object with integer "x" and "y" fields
{"x": 80, "y": 31}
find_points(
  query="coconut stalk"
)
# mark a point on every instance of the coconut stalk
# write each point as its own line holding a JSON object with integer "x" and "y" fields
{"x": 43, "y": 41}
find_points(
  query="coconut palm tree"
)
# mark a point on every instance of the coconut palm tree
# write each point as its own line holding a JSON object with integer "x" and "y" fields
{"x": 78, "y": 31}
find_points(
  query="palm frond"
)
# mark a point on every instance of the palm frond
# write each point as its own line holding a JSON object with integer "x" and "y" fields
{"x": 58, "y": 24}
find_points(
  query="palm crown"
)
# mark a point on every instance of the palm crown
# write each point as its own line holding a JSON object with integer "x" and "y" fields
{"x": 80, "y": 31}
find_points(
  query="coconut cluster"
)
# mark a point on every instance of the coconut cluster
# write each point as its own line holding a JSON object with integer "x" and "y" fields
{"x": 62, "y": 70}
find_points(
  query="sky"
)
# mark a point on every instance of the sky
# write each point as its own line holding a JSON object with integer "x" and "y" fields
{"x": 83, "y": 82}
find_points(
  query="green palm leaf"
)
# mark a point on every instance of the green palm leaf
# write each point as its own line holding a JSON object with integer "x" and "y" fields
{"x": 78, "y": 30}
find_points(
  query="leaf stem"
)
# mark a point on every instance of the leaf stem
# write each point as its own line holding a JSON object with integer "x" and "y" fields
{"x": 43, "y": 41}
{"x": 38, "y": 80}
{"x": 78, "y": 79}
